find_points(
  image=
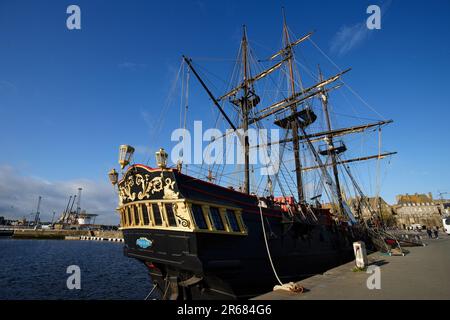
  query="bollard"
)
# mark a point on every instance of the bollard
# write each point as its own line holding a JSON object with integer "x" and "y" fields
{"x": 359, "y": 248}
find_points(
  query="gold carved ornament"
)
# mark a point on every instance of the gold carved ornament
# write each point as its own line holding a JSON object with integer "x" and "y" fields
{"x": 153, "y": 186}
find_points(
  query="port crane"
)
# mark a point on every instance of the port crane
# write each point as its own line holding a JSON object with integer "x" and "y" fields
{"x": 440, "y": 194}
{"x": 36, "y": 216}
{"x": 63, "y": 215}
{"x": 70, "y": 212}
{"x": 69, "y": 215}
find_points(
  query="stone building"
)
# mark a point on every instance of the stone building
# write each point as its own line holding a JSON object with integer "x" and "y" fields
{"x": 419, "y": 209}
{"x": 372, "y": 205}
{"x": 370, "y": 208}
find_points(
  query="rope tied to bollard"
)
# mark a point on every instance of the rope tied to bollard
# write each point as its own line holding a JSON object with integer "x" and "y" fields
{"x": 151, "y": 291}
{"x": 291, "y": 286}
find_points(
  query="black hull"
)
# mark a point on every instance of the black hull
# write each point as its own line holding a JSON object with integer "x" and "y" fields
{"x": 237, "y": 267}
{"x": 204, "y": 264}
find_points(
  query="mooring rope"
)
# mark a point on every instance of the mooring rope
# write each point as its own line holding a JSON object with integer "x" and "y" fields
{"x": 291, "y": 286}
{"x": 267, "y": 244}
{"x": 151, "y": 291}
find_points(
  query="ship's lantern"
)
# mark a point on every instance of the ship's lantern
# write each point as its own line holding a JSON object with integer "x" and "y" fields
{"x": 113, "y": 176}
{"x": 125, "y": 154}
{"x": 161, "y": 158}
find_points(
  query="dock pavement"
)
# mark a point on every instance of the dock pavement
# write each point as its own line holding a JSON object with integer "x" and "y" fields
{"x": 422, "y": 274}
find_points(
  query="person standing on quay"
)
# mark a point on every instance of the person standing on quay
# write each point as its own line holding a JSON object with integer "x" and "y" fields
{"x": 436, "y": 233}
{"x": 429, "y": 233}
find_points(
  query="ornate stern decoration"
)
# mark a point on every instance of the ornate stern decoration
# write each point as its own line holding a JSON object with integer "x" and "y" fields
{"x": 182, "y": 215}
{"x": 141, "y": 186}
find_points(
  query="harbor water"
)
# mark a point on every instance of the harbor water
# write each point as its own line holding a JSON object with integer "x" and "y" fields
{"x": 37, "y": 269}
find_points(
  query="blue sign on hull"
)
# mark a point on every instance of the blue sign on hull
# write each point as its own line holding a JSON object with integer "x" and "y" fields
{"x": 144, "y": 243}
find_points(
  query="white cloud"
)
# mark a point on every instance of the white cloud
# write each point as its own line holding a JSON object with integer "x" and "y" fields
{"x": 19, "y": 194}
{"x": 349, "y": 37}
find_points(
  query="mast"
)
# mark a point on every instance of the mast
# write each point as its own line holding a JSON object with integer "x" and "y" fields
{"x": 298, "y": 98}
{"x": 245, "y": 112}
{"x": 330, "y": 143}
{"x": 294, "y": 124}
{"x": 244, "y": 98}
{"x": 247, "y": 101}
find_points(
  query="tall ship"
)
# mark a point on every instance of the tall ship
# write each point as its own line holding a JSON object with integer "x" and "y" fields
{"x": 204, "y": 236}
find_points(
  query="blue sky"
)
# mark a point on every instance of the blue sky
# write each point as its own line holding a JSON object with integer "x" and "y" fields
{"x": 69, "y": 98}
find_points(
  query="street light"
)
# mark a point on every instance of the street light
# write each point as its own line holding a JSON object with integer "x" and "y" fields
{"x": 125, "y": 154}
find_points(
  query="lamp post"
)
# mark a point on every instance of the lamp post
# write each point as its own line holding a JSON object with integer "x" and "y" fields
{"x": 113, "y": 176}
{"x": 161, "y": 158}
{"x": 125, "y": 154}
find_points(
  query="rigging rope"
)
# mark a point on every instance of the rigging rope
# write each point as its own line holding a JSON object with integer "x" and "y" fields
{"x": 159, "y": 123}
{"x": 350, "y": 88}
